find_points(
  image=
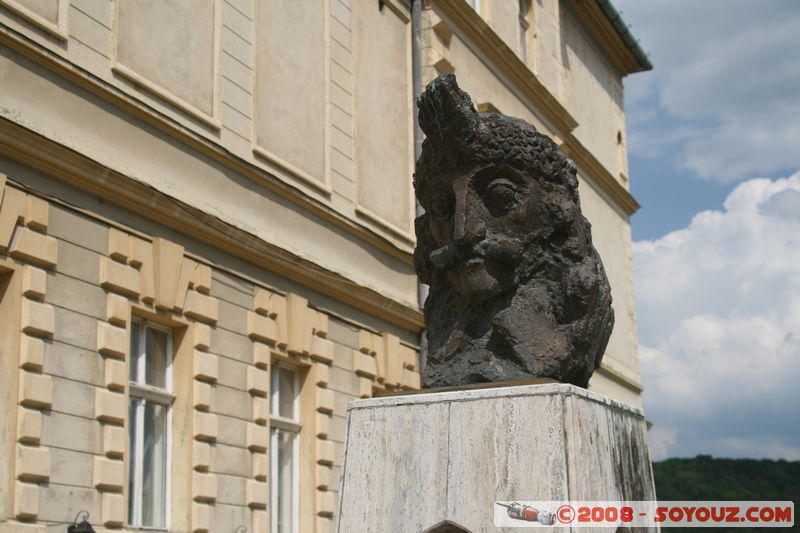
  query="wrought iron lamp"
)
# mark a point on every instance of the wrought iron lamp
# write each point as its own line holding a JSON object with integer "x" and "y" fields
{"x": 84, "y": 526}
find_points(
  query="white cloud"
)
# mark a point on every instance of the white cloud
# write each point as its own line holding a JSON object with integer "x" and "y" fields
{"x": 659, "y": 440}
{"x": 724, "y": 69}
{"x": 719, "y": 326}
{"x": 759, "y": 444}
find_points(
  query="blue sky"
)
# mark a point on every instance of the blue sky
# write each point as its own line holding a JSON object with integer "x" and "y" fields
{"x": 714, "y": 147}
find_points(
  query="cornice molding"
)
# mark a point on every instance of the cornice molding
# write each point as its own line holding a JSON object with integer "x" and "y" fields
{"x": 479, "y": 32}
{"x": 67, "y": 165}
{"x": 620, "y": 378}
{"x": 218, "y": 153}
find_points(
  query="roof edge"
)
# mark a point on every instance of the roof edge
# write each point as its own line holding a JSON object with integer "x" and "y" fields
{"x": 625, "y": 34}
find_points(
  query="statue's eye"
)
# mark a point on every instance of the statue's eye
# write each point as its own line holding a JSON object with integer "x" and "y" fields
{"x": 442, "y": 205}
{"x": 500, "y": 194}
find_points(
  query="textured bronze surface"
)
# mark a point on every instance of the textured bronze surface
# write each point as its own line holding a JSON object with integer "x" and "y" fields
{"x": 516, "y": 288}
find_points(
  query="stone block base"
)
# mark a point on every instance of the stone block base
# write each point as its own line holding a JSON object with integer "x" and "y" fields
{"x": 416, "y": 463}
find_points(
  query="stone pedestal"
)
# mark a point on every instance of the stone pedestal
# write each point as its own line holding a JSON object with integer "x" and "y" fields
{"x": 413, "y": 463}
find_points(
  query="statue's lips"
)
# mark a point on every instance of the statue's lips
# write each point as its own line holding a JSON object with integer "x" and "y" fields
{"x": 453, "y": 256}
{"x": 448, "y": 257}
{"x": 469, "y": 267}
{"x": 469, "y": 261}
{"x": 473, "y": 261}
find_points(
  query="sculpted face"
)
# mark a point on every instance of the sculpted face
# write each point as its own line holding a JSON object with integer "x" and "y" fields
{"x": 478, "y": 223}
{"x": 516, "y": 288}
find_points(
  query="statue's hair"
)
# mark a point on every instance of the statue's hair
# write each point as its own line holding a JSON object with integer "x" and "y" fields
{"x": 459, "y": 138}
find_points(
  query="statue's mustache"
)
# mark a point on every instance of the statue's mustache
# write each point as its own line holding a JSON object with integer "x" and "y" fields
{"x": 504, "y": 249}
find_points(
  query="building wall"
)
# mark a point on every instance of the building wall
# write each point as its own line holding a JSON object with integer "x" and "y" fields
{"x": 274, "y": 96}
{"x": 593, "y": 94}
{"x": 239, "y": 172}
{"x": 573, "y": 68}
{"x": 76, "y": 279}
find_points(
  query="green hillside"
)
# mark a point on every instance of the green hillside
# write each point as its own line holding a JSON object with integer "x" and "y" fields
{"x": 707, "y": 478}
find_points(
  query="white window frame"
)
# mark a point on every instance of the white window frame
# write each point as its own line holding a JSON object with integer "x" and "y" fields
{"x": 155, "y": 395}
{"x": 290, "y": 425}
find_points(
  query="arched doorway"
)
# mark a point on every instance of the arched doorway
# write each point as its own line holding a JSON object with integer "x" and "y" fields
{"x": 446, "y": 527}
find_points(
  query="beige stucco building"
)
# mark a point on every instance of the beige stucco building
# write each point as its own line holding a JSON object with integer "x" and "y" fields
{"x": 206, "y": 236}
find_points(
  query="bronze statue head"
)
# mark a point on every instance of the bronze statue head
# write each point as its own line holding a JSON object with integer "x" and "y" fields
{"x": 517, "y": 289}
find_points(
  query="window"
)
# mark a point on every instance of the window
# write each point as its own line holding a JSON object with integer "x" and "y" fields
{"x": 622, "y": 156}
{"x": 524, "y": 26}
{"x": 149, "y": 420}
{"x": 283, "y": 448}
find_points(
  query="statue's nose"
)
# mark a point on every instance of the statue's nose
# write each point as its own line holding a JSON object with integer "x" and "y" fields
{"x": 467, "y": 224}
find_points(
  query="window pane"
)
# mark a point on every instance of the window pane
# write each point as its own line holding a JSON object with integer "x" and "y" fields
{"x": 132, "y": 460}
{"x": 154, "y": 466}
{"x": 134, "y": 363}
{"x": 156, "y": 362}
{"x": 283, "y": 482}
{"x": 287, "y": 393}
{"x": 273, "y": 391}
